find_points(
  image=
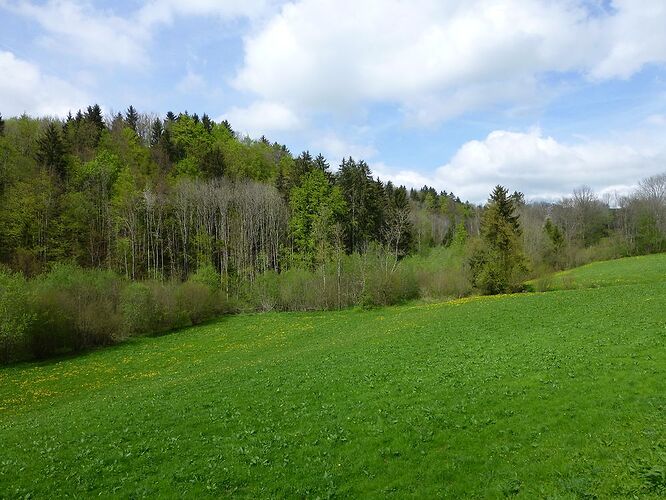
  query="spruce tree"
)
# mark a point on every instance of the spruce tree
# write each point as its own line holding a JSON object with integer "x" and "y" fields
{"x": 156, "y": 131}
{"x": 51, "y": 151}
{"x": 94, "y": 117}
{"x": 132, "y": 118}
{"x": 499, "y": 265}
{"x": 207, "y": 123}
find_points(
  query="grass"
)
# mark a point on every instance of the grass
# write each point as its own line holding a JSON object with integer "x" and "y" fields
{"x": 632, "y": 270}
{"x": 553, "y": 395}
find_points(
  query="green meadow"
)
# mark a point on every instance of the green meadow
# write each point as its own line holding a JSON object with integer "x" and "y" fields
{"x": 560, "y": 394}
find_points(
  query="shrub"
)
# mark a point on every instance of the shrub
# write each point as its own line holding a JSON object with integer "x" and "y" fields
{"x": 137, "y": 306}
{"x": 207, "y": 275}
{"x": 75, "y": 309}
{"x": 15, "y": 315}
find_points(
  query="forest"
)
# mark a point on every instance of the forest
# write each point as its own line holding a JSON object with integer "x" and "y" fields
{"x": 120, "y": 225}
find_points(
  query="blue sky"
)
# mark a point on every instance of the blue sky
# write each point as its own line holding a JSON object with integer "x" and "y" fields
{"x": 540, "y": 95}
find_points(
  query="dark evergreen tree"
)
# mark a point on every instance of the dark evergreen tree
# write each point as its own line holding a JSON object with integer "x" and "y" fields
{"x": 364, "y": 199}
{"x": 132, "y": 118}
{"x": 170, "y": 117}
{"x": 499, "y": 265}
{"x": 2, "y": 126}
{"x": 94, "y": 117}
{"x": 227, "y": 126}
{"x": 51, "y": 151}
{"x": 156, "y": 131}
{"x": 207, "y": 123}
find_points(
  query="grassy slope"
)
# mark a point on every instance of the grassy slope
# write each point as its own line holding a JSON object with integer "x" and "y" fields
{"x": 642, "y": 269}
{"x": 560, "y": 394}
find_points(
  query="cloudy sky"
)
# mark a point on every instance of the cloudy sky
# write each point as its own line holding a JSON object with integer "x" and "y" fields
{"x": 539, "y": 95}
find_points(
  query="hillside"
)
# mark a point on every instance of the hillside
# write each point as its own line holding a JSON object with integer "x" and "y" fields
{"x": 557, "y": 394}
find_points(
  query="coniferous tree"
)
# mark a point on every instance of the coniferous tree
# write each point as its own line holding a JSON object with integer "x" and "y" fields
{"x": 207, "y": 123}
{"x": 93, "y": 116}
{"x": 132, "y": 118}
{"x": 51, "y": 151}
{"x": 2, "y": 126}
{"x": 499, "y": 265}
{"x": 156, "y": 131}
{"x": 365, "y": 199}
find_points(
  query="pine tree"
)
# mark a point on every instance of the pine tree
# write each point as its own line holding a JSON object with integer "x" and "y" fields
{"x": 499, "y": 265}
{"x": 2, "y": 126}
{"x": 156, "y": 131}
{"x": 132, "y": 118}
{"x": 207, "y": 123}
{"x": 94, "y": 117}
{"x": 552, "y": 252}
{"x": 51, "y": 151}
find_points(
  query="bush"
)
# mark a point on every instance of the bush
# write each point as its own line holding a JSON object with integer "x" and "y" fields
{"x": 75, "y": 309}
{"x": 16, "y": 318}
{"x": 137, "y": 306}
{"x": 207, "y": 275}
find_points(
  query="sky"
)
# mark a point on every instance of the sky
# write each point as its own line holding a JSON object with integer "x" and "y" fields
{"x": 541, "y": 96}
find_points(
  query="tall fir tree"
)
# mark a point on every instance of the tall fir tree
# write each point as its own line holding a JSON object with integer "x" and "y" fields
{"x": 207, "y": 123}
{"x": 156, "y": 131}
{"x": 499, "y": 265}
{"x": 51, "y": 151}
{"x": 132, "y": 118}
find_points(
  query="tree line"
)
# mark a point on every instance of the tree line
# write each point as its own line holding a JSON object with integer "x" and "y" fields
{"x": 169, "y": 221}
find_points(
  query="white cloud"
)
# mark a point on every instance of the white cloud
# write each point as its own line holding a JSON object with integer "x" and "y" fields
{"x": 437, "y": 59}
{"x": 539, "y": 166}
{"x": 165, "y": 11}
{"x": 24, "y": 88}
{"x": 80, "y": 30}
{"x": 191, "y": 82}
{"x": 260, "y": 118}
{"x": 335, "y": 148}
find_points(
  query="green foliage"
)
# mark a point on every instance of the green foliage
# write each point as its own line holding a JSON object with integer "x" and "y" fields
{"x": 364, "y": 201}
{"x": 553, "y": 395}
{"x": 498, "y": 264}
{"x": 51, "y": 151}
{"x": 16, "y": 318}
{"x": 553, "y": 252}
{"x": 649, "y": 238}
{"x": 207, "y": 275}
{"x": 316, "y": 207}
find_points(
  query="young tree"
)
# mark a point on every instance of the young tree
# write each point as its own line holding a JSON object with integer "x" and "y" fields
{"x": 554, "y": 245}
{"x": 499, "y": 265}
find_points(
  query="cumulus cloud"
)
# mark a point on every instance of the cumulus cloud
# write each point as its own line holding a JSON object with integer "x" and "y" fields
{"x": 165, "y": 11}
{"x": 261, "y": 118}
{"x": 191, "y": 82}
{"x": 24, "y": 88}
{"x": 80, "y": 30}
{"x": 437, "y": 59}
{"x": 335, "y": 148}
{"x": 539, "y": 166}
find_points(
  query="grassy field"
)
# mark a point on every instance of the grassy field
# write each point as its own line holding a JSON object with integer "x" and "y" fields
{"x": 632, "y": 270}
{"x": 552, "y": 395}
